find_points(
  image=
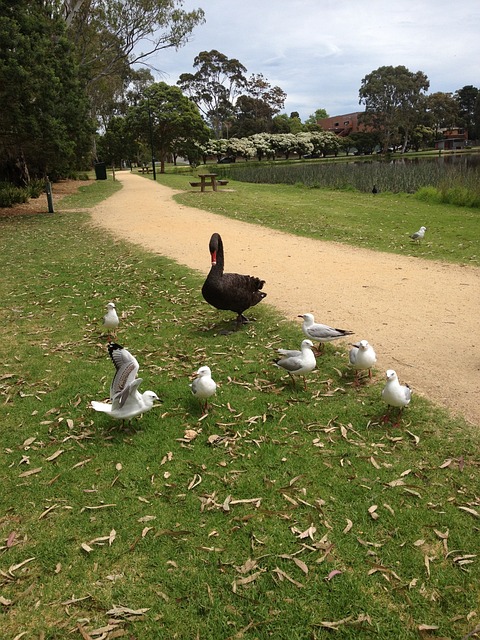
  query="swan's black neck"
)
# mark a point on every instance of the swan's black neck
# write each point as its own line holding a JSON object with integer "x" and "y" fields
{"x": 216, "y": 251}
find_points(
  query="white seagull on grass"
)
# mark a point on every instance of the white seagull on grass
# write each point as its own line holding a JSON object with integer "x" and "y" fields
{"x": 395, "y": 395}
{"x": 298, "y": 363}
{"x": 126, "y": 401}
{"x": 419, "y": 235}
{"x": 362, "y": 356}
{"x": 203, "y": 386}
{"x": 321, "y": 332}
{"x": 110, "y": 319}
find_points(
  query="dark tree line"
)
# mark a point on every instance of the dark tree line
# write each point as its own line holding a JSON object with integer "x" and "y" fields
{"x": 45, "y": 126}
{"x": 64, "y": 69}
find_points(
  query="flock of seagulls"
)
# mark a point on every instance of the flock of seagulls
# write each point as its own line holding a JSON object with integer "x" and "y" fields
{"x": 237, "y": 293}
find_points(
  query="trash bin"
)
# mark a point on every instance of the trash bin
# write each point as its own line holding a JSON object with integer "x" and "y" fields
{"x": 100, "y": 171}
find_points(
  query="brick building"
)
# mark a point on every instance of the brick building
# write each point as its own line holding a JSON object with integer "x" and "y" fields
{"x": 342, "y": 125}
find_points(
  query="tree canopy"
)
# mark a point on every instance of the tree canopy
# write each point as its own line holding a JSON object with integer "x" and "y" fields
{"x": 217, "y": 81}
{"x": 112, "y": 35}
{"x": 44, "y": 123}
{"x": 468, "y": 99}
{"x": 392, "y": 98}
{"x": 167, "y": 120}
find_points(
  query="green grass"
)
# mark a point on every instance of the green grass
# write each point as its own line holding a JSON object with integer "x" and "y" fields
{"x": 382, "y": 222}
{"x": 166, "y": 536}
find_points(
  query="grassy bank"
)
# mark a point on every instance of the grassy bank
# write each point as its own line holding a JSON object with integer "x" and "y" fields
{"x": 382, "y": 222}
{"x": 284, "y": 513}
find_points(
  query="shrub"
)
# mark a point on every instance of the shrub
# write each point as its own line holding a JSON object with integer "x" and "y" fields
{"x": 428, "y": 194}
{"x": 35, "y": 188}
{"x": 10, "y": 195}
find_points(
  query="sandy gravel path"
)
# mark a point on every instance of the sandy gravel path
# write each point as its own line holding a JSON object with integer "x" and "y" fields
{"x": 421, "y": 316}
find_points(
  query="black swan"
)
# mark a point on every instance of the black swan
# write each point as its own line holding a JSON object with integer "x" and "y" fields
{"x": 230, "y": 291}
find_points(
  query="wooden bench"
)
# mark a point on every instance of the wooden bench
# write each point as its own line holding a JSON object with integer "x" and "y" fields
{"x": 222, "y": 182}
{"x": 196, "y": 184}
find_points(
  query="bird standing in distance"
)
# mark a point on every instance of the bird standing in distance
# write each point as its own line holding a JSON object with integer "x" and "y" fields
{"x": 125, "y": 400}
{"x": 419, "y": 235}
{"x": 374, "y": 190}
{"x": 298, "y": 363}
{"x": 230, "y": 291}
{"x": 321, "y": 333}
{"x": 203, "y": 387}
{"x": 362, "y": 357}
{"x": 395, "y": 395}
{"x": 110, "y": 320}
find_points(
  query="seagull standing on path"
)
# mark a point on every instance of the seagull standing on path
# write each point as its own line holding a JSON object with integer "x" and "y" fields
{"x": 110, "y": 319}
{"x": 126, "y": 401}
{"x": 362, "y": 356}
{"x": 298, "y": 363}
{"x": 419, "y": 235}
{"x": 395, "y": 394}
{"x": 203, "y": 386}
{"x": 321, "y": 332}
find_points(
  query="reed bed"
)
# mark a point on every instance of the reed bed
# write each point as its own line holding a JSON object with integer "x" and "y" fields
{"x": 454, "y": 182}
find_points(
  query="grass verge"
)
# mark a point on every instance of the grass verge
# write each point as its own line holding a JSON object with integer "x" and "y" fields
{"x": 283, "y": 513}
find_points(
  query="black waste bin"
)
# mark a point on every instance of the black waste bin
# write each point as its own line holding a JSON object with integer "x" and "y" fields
{"x": 100, "y": 171}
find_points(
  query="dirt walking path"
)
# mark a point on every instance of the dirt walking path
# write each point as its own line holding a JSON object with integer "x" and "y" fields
{"x": 421, "y": 316}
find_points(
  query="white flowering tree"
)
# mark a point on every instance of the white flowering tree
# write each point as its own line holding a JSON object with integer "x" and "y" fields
{"x": 305, "y": 145}
{"x": 284, "y": 143}
{"x": 262, "y": 144}
{"x": 215, "y": 148}
{"x": 241, "y": 147}
{"x": 325, "y": 142}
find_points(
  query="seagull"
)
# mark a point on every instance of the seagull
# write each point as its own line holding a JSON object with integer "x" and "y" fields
{"x": 418, "y": 235}
{"x": 362, "y": 356}
{"x": 395, "y": 394}
{"x": 203, "y": 386}
{"x": 126, "y": 401}
{"x": 110, "y": 319}
{"x": 298, "y": 363}
{"x": 321, "y": 332}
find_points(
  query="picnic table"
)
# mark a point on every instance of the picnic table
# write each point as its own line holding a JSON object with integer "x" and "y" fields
{"x": 208, "y": 180}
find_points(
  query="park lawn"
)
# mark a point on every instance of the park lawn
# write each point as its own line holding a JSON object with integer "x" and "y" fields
{"x": 283, "y": 513}
{"x": 382, "y": 222}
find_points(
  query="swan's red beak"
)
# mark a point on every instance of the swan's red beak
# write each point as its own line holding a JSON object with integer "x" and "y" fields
{"x": 214, "y": 257}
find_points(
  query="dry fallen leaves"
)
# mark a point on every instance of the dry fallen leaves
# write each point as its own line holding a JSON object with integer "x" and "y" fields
{"x": 363, "y": 617}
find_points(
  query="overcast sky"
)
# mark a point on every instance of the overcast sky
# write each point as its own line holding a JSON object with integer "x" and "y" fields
{"x": 318, "y": 51}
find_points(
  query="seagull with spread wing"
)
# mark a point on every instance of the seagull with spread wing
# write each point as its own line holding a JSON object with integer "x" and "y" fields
{"x": 125, "y": 400}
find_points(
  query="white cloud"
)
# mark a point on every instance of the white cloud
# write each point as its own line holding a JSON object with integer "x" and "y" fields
{"x": 318, "y": 51}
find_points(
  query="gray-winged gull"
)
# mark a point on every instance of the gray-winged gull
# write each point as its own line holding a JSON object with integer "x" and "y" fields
{"x": 395, "y": 394}
{"x": 203, "y": 386}
{"x": 126, "y": 401}
{"x": 321, "y": 332}
{"x": 110, "y": 319}
{"x": 362, "y": 357}
{"x": 298, "y": 363}
{"x": 419, "y": 235}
